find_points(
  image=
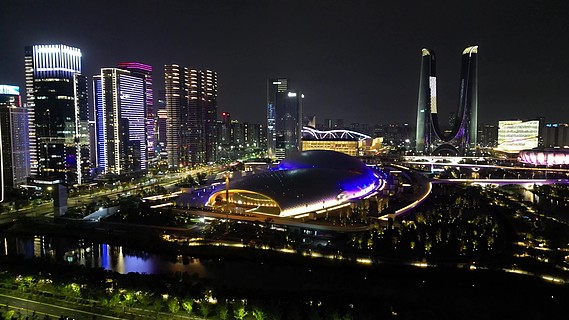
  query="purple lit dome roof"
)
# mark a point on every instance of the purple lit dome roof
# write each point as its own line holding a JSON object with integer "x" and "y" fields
{"x": 311, "y": 177}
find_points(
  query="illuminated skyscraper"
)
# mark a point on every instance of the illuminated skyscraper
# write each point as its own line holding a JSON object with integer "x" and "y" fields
{"x": 145, "y": 71}
{"x": 288, "y": 123}
{"x": 120, "y": 121}
{"x": 177, "y": 85}
{"x": 160, "y": 124}
{"x": 273, "y": 87}
{"x": 57, "y": 98}
{"x": 191, "y": 106}
{"x": 14, "y": 144}
{"x": 430, "y": 139}
{"x": 203, "y": 115}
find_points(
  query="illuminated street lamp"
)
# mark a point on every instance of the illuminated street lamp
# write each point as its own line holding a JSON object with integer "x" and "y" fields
{"x": 227, "y": 174}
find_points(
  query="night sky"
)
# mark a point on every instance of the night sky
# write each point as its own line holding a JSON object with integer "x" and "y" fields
{"x": 356, "y": 60}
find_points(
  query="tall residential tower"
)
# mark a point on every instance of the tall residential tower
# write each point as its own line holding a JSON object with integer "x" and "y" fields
{"x": 191, "y": 107}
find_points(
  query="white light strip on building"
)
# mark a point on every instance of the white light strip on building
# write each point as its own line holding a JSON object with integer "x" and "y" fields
{"x": 77, "y": 144}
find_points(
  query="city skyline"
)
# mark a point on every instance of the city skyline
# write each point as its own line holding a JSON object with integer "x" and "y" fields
{"x": 345, "y": 56}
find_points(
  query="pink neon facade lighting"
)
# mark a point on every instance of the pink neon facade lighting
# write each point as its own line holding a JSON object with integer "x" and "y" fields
{"x": 548, "y": 157}
{"x": 135, "y": 65}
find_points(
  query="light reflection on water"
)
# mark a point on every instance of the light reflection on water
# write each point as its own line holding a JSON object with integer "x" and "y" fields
{"x": 90, "y": 254}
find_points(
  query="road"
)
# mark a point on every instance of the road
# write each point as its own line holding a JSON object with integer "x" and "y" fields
{"x": 276, "y": 220}
{"x": 46, "y": 208}
{"x": 26, "y": 307}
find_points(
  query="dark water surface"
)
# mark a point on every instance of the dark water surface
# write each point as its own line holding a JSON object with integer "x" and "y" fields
{"x": 98, "y": 255}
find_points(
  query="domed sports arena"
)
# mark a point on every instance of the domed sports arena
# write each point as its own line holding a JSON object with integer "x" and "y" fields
{"x": 545, "y": 156}
{"x": 307, "y": 182}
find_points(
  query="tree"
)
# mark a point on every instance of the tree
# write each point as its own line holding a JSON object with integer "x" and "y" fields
{"x": 128, "y": 299}
{"x": 173, "y": 305}
{"x": 115, "y": 300}
{"x": 239, "y": 311}
{"x": 157, "y": 304}
{"x": 8, "y": 314}
{"x": 143, "y": 299}
{"x": 202, "y": 177}
{"x": 259, "y": 314}
{"x": 188, "y": 305}
{"x": 222, "y": 311}
{"x": 188, "y": 181}
{"x": 205, "y": 308}
{"x": 275, "y": 312}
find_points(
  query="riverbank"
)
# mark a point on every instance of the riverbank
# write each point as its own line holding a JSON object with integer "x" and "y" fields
{"x": 269, "y": 277}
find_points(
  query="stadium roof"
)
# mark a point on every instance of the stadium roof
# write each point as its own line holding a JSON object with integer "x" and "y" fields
{"x": 310, "y": 181}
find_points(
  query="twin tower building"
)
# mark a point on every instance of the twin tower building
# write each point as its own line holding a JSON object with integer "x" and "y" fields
{"x": 460, "y": 140}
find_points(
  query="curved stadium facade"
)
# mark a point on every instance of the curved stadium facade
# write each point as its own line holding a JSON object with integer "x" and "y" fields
{"x": 309, "y": 181}
{"x": 545, "y": 156}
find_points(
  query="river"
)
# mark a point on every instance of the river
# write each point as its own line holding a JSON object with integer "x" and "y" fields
{"x": 98, "y": 255}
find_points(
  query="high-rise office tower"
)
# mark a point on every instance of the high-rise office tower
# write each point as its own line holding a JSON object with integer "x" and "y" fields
{"x": 83, "y": 129}
{"x": 191, "y": 105}
{"x": 145, "y": 71}
{"x": 462, "y": 138}
{"x": 120, "y": 121}
{"x": 288, "y": 123}
{"x": 57, "y": 98}
{"x": 273, "y": 87}
{"x": 14, "y": 144}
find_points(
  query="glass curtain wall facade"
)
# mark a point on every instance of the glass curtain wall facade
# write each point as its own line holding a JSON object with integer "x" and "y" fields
{"x": 288, "y": 124}
{"x": 14, "y": 135}
{"x": 145, "y": 71}
{"x": 56, "y": 99}
{"x": 274, "y": 86}
{"x": 121, "y": 127}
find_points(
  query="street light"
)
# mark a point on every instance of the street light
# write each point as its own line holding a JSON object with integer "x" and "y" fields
{"x": 227, "y": 174}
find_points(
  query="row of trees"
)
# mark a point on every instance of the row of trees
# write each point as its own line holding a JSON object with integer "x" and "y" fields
{"x": 455, "y": 226}
{"x": 112, "y": 296}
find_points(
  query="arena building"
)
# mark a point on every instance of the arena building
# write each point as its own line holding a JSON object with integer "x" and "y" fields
{"x": 308, "y": 182}
{"x": 346, "y": 141}
{"x": 545, "y": 156}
